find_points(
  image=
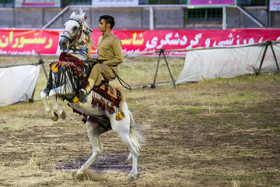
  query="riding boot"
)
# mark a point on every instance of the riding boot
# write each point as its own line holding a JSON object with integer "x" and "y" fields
{"x": 90, "y": 85}
{"x": 84, "y": 92}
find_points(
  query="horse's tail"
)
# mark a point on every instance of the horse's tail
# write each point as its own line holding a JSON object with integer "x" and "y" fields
{"x": 136, "y": 138}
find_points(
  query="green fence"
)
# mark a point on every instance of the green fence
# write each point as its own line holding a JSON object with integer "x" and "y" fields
{"x": 203, "y": 14}
{"x": 6, "y": 3}
{"x": 252, "y": 2}
{"x": 79, "y": 2}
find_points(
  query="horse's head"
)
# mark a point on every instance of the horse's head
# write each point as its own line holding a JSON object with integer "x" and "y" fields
{"x": 76, "y": 33}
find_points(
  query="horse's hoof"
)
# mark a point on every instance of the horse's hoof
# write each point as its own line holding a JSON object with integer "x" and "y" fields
{"x": 131, "y": 177}
{"x": 74, "y": 174}
{"x": 54, "y": 116}
{"x": 63, "y": 115}
{"x": 88, "y": 175}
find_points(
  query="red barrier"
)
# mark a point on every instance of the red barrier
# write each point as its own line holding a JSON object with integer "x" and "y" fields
{"x": 28, "y": 42}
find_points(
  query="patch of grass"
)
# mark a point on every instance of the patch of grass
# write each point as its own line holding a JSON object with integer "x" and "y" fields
{"x": 262, "y": 178}
{"x": 245, "y": 153}
{"x": 229, "y": 125}
{"x": 263, "y": 125}
{"x": 277, "y": 129}
{"x": 10, "y": 126}
{"x": 193, "y": 111}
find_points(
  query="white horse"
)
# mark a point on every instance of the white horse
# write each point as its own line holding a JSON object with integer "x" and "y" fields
{"x": 76, "y": 40}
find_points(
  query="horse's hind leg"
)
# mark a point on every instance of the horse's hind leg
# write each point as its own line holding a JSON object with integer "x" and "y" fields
{"x": 53, "y": 115}
{"x": 94, "y": 133}
{"x": 125, "y": 135}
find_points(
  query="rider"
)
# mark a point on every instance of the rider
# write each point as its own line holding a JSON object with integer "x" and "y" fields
{"x": 109, "y": 52}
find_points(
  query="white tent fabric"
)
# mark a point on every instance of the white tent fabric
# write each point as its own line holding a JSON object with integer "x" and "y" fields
{"x": 17, "y": 83}
{"x": 227, "y": 62}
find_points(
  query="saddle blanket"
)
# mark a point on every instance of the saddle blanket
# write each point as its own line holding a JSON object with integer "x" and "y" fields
{"x": 108, "y": 98}
{"x": 73, "y": 65}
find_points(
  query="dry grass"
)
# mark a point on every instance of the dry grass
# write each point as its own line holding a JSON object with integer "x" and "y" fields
{"x": 222, "y": 132}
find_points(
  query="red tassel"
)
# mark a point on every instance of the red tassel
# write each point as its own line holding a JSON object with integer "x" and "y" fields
{"x": 84, "y": 119}
{"x": 102, "y": 105}
{"x": 112, "y": 109}
{"x": 94, "y": 101}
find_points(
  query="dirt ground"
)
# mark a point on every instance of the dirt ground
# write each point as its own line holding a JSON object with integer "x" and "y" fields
{"x": 223, "y": 132}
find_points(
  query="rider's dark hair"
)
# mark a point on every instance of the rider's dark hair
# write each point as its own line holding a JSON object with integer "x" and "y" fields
{"x": 108, "y": 20}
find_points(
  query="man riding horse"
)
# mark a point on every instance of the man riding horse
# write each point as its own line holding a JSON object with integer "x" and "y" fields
{"x": 103, "y": 107}
{"x": 109, "y": 51}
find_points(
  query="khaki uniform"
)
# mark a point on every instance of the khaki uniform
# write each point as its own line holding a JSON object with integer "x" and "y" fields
{"x": 109, "y": 51}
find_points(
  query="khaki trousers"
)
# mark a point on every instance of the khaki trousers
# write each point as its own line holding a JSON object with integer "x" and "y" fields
{"x": 102, "y": 72}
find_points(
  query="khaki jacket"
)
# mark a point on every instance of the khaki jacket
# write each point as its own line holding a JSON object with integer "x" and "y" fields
{"x": 109, "y": 48}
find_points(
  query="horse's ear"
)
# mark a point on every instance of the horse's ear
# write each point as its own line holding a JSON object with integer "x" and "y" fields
{"x": 73, "y": 14}
{"x": 84, "y": 16}
{"x": 81, "y": 10}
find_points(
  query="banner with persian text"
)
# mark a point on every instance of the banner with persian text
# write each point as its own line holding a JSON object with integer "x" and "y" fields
{"x": 28, "y": 42}
{"x": 114, "y": 3}
{"x": 137, "y": 41}
{"x": 37, "y": 3}
{"x": 211, "y": 2}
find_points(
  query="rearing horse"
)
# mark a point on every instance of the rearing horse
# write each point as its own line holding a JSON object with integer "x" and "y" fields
{"x": 67, "y": 77}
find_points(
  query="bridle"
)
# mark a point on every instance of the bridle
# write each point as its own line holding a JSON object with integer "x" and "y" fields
{"x": 73, "y": 38}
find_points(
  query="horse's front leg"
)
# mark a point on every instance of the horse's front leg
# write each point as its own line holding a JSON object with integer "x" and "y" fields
{"x": 62, "y": 90}
{"x": 48, "y": 109}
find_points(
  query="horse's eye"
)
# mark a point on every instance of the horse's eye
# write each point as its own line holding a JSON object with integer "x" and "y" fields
{"x": 75, "y": 28}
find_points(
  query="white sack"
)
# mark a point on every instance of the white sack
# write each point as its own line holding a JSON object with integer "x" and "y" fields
{"x": 17, "y": 83}
{"x": 227, "y": 62}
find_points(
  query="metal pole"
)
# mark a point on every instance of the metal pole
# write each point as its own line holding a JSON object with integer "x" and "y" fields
{"x": 250, "y": 16}
{"x": 169, "y": 69}
{"x": 264, "y": 53}
{"x": 154, "y": 83}
{"x": 274, "y": 56}
{"x": 224, "y": 18}
{"x": 151, "y": 18}
{"x": 56, "y": 17}
{"x": 41, "y": 61}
